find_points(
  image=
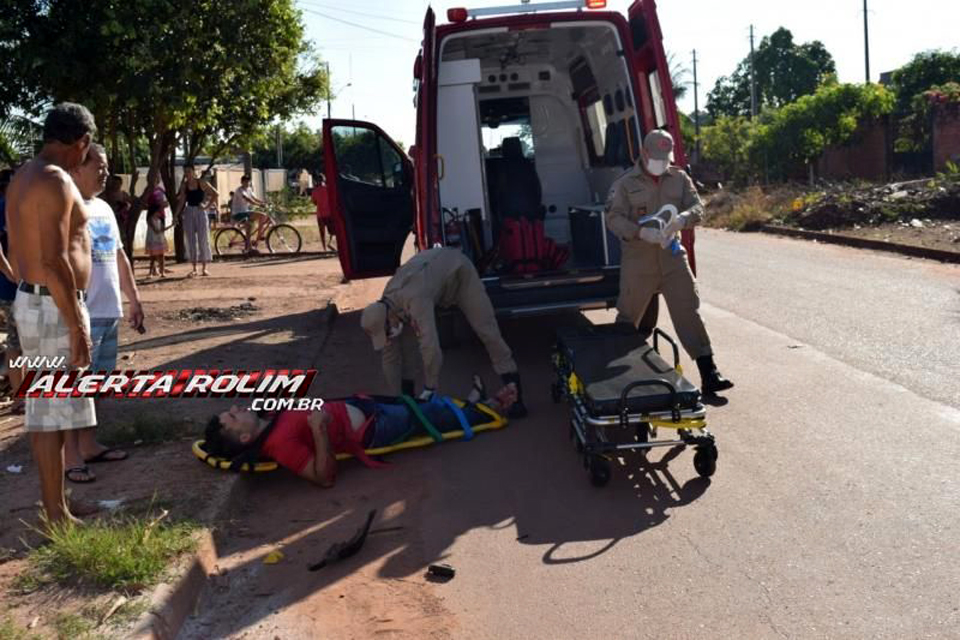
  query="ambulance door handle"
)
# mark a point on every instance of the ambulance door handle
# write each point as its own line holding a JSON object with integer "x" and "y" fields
{"x": 443, "y": 166}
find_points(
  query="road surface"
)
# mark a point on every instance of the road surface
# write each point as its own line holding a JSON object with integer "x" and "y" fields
{"x": 833, "y": 512}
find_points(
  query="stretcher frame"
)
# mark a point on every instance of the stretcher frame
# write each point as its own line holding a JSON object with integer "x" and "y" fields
{"x": 588, "y": 431}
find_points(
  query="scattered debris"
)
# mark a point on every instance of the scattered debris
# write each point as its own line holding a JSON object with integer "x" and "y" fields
{"x": 218, "y": 314}
{"x": 33, "y": 623}
{"x": 386, "y": 530}
{"x": 15, "y": 468}
{"x": 443, "y": 571}
{"x": 794, "y": 346}
{"x": 342, "y": 550}
{"x": 916, "y": 224}
{"x": 119, "y": 602}
{"x": 523, "y": 537}
{"x": 273, "y": 557}
{"x": 110, "y": 505}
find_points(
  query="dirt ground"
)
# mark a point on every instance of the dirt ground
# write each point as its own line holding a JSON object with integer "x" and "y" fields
{"x": 247, "y": 315}
{"x": 942, "y": 235}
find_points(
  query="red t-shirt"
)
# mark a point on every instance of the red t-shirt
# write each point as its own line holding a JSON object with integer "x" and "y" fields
{"x": 319, "y": 197}
{"x": 291, "y": 441}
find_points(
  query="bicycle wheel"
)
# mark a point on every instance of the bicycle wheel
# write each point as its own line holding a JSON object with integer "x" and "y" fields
{"x": 229, "y": 241}
{"x": 284, "y": 238}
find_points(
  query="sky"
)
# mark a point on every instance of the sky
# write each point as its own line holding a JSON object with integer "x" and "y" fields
{"x": 375, "y": 54}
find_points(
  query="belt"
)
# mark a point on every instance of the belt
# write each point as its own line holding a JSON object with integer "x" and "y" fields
{"x": 40, "y": 290}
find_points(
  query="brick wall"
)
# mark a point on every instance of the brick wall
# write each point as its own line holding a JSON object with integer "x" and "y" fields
{"x": 946, "y": 136}
{"x": 865, "y": 158}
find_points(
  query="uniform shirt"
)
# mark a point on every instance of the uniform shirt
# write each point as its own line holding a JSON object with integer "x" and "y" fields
{"x": 428, "y": 280}
{"x": 103, "y": 292}
{"x": 637, "y": 194}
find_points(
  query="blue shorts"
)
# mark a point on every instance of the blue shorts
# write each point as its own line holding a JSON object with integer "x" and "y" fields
{"x": 241, "y": 216}
{"x": 104, "y": 339}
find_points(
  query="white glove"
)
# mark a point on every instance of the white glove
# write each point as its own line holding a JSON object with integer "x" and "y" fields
{"x": 426, "y": 395}
{"x": 653, "y": 235}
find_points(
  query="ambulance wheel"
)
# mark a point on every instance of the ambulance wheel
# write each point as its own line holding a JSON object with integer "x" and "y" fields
{"x": 599, "y": 471}
{"x": 555, "y": 393}
{"x": 705, "y": 461}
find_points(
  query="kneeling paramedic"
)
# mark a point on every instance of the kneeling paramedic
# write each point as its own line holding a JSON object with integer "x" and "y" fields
{"x": 405, "y": 315}
{"x": 652, "y": 258}
{"x": 307, "y": 442}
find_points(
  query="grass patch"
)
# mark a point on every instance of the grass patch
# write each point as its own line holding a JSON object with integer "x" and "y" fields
{"x": 10, "y": 630}
{"x": 72, "y": 625}
{"x": 750, "y": 209}
{"x": 142, "y": 428}
{"x": 126, "y": 553}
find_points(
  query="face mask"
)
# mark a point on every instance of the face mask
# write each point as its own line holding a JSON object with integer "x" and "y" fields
{"x": 395, "y": 331}
{"x": 657, "y": 167}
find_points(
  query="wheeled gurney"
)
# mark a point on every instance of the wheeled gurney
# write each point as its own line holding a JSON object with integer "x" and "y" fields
{"x": 611, "y": 378}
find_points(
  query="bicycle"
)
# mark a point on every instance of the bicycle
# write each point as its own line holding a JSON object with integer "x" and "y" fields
{"x": 279, "y": 237}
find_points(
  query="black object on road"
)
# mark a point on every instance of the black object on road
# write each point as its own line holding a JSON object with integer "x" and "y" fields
{"x": 441, "y": 571}
{"x": 341, "y": 550}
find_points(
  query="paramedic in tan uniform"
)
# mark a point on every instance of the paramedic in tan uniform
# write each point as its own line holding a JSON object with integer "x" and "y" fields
{"x": 646, "y": 266}
{"x": 404, "y": 316}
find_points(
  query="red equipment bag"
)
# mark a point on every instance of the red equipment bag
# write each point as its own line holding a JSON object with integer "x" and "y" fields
{"x": 525, "y": 248}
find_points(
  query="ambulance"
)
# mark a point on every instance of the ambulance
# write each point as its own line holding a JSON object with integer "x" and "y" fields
{"x": 526, "y": 115}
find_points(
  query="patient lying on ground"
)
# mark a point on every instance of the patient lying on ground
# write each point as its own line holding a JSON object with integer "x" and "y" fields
{"x": 306, "y": 442}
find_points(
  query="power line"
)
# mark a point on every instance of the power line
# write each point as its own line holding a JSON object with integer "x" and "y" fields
{"x": 359, "y": 26}
{"x": 359, "y": 13}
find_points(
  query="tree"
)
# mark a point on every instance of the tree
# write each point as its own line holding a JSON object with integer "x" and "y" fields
{"x": 678, "y": 76}
{"x": 925, "y": 71}
{"x": 207, "y": 72}
{"x": 784, "y": 71}
{"x": 301, "y": 149}
{"x": 726, "y": 145}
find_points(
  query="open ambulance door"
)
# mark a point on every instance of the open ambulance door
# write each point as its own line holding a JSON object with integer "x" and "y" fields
{"x": 370, "y": 196}
{"x": 656, "y": 103}
{"x": 425, "y": 76}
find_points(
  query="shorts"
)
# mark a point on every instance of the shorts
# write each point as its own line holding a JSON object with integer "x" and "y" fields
{"x": 13, "y": 338}
{"x": 240, "y": 216}
{"x": 43, "y": 333}
{"x": 104, "y": 338}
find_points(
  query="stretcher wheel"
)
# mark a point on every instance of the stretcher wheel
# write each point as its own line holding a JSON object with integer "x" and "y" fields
{"x": 599, "y": 471}
{"x": 555, "y": 393}
{"x": 705, "y": 461}
{"x": 643, "y": 432}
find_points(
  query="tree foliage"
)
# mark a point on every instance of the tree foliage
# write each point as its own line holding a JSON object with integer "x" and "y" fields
{"x": 190, "y": 74}
{"x": 301, "y": 148}
{"x": 784, "y": 72}
{"x": 926, "y": 71}
{"x": 783, "y": 141}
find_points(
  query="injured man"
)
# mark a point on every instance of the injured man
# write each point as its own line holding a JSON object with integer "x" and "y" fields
{"x": 307, "y": 442}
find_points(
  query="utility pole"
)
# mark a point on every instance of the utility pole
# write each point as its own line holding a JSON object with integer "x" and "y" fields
{"x": 696, "y": 107}
{"x": 329, "y": 86}
{"x": 279, "y": 147}
{"x": 753, "y": 80}
{"x": 866, "y": 41}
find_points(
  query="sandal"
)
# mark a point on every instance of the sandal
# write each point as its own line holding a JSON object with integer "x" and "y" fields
{"x": 104, "y": 456}
{"x": 71, "y": 474}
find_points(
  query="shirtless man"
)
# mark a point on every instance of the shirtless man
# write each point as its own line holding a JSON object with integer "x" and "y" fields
{"x": 50, "y": 253}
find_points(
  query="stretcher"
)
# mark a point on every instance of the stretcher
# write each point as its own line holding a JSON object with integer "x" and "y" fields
{"x": 612, "y": 379}
{"x": 433, "y": 436}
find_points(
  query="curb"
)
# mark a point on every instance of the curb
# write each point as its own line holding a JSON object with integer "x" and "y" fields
{"x": 172, "y": 603}
{"x": 240, "y": 257}
{"x": 865, "y": 243}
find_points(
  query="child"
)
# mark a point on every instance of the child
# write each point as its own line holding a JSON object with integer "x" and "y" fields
{"x": 156, "y": 238}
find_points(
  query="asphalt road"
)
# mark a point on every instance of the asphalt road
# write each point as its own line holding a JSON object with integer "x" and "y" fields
{"x": 833, "y": 512}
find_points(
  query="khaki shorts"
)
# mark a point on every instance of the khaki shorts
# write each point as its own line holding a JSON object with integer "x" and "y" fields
{"x": 44, "y": 333}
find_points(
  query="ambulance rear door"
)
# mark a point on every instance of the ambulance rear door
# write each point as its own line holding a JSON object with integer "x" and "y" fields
{"x": 370, "y": 196}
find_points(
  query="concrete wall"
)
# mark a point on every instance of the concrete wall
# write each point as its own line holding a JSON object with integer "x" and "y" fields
{"x": 946, "y": 136}
{"x": 865, "y": 158}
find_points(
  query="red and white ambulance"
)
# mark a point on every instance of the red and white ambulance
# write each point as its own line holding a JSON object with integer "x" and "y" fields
{"x": 534, "y": 106}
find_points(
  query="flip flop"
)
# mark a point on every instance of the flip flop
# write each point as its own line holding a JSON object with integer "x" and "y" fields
{"x": 79, "y": 469}
{"x": 104, "y": 456}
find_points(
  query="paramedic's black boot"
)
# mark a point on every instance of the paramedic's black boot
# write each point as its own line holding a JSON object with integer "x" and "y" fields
{"x": 710, "y": 379}
{"x": 408, "y": 387}
{"x": 519, "y": 409}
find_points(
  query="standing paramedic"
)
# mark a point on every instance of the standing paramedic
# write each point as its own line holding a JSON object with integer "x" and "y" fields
{"x": 50, "y": 251}
{"x": 647, "y": 266}
{"x": 405, "y": 316}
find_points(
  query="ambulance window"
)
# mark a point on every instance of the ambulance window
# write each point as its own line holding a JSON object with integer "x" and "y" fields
{"x": 657, "y": 96}
{"x": 505, "y": 118}
{"x": 597, "y": 120}
{"x": 392, "y": 165}
{"x": 363, "y": 155}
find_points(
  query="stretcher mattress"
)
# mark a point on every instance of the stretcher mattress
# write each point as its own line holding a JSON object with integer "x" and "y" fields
{"x": 607, "y": 358}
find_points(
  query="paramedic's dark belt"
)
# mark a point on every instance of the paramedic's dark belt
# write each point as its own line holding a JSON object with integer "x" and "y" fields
{"x": 607, "y": 358}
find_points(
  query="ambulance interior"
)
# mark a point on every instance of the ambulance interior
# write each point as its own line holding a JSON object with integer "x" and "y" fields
{"x": 537, "y": 119}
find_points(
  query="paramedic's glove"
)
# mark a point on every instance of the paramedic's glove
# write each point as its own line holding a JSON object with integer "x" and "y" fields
{"x": 679, "y": 222}
{"x": 650, "y": 234}
{"x": 426, "y": 395}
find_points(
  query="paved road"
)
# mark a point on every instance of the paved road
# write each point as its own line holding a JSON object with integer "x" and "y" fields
{"x": 833, "y": 513}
